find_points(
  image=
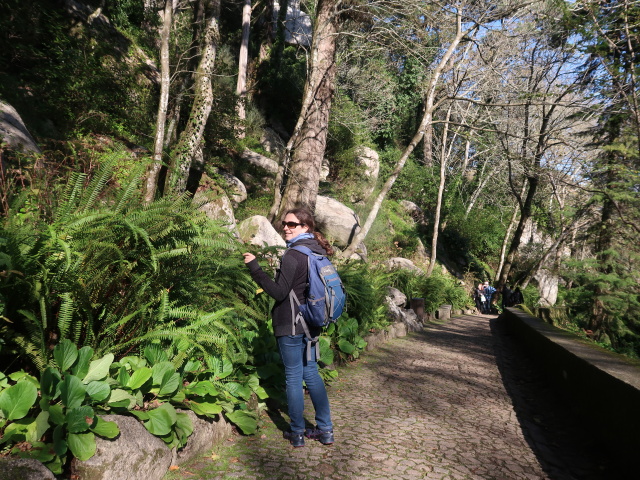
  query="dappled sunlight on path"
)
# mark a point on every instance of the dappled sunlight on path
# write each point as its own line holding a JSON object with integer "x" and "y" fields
{"x": 446, "y": 403}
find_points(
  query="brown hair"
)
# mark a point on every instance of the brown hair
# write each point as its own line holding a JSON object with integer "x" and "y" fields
{"x": 306, "y": 217}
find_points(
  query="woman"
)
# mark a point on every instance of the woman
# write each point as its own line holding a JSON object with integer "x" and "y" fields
{"x": 299, "y": 229}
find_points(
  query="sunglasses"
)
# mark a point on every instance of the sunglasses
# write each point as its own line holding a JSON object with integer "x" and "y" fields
{"x": 292, "y": 224}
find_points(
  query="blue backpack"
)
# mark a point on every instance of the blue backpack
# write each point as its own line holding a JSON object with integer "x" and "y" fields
{"x": 326, "y": 297}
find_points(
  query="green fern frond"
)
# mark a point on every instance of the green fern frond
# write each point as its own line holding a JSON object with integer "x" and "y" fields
{"x": 70, "y": 195}
{"x": 97, "y": 185}
{"x": 65, "y": 314}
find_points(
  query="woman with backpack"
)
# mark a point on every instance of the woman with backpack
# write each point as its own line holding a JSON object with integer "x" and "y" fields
{"x": 299, "y": 230}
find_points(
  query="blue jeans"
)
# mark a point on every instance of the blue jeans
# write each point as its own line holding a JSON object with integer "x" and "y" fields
{"x": 297, "y": 368}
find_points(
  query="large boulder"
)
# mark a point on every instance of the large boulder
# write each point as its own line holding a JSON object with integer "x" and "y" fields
{"x": 13, "y": 131}
{"x": 398, "y": 263}
{"x": 271, "y": 141}
{"x": 368, "y": 166}
{"x": 134, "y": 455}
{"x": 412, "y": 209}
{"x": 298, "y": 29}
{"x": 266, "y": 164}
{"x": 397, "y": 296}
{"x": 547, "y": 287}
{"x": 336, "y": 221}
{"x": 23, "y": 469}
{"x": 405, "y": 316}
{"x": 257, "y": 230}
{"x": 212, "y": 200}
{"x": 234, "y": 188}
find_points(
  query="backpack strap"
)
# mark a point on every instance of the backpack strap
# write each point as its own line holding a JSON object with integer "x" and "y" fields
{"x": 311, "y": 341}
{"x": 299, "y": 318}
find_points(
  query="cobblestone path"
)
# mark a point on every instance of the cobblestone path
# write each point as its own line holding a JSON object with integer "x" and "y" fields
{"x": 457, "y": 401}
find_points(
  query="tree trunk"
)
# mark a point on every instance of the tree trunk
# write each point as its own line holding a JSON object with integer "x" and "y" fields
{"x": 507, "y": 235}
{"x": 241, "y": 85}
{"x": 427, "y": 146}
{"x": 443, "y": 175}
{"x": 191, "y": 138}
{"x": 309, "y": 140}
{"x": 165, "y": 80}
{"x": 525, "y": 215}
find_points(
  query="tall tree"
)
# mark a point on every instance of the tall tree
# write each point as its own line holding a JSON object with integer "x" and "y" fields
{"x": 449, "y": 25}
{"x": 611, "y": 37}
{"x": 305, "y": 150}
{"x": 151, "y": 181}
{"x": 190, "y": 140}
{"x": 241, "y": 85}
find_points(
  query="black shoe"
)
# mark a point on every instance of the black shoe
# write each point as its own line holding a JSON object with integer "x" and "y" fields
{"x": 296, "y": 439}
{"x": 326, "y": 438}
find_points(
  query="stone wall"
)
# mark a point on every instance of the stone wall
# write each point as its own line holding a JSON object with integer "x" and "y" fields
{"x": 602, "y": 387}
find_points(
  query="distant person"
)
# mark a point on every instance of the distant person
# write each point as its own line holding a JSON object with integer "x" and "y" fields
{"x": 478, "y": 297}
{"x": 487, "y": 291}
{"x": 506, "y": 296}
{"x": 516, "y": 297}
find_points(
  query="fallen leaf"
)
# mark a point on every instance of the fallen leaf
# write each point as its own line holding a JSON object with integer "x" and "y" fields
{"x": 215, "y": 456}
{"x": 234, "y": 460}
{"x": 173, "y": 468}
{"x": 263, "y": 436}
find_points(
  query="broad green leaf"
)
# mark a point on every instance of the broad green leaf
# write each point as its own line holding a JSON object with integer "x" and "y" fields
{"x": 326, "y": 353}
{"x": 79, "y": 419}
{"x": 159, "y": 422}
{"x": 59, "y": 441}
{"x": 202, "y": 388}
{"x": 82, "y": 445}
{"x": 123, "y": 376}
{"x": 49, "y": 381}
{"x": 245, "y": 421}
{"x": 72, "y": 392}
{"x": 55, "y": 465}
{"x": 139, "y": 378}
{"x": 159, "y": 371}
{"x": 135, "y": 362}
{"x": 104, "y": 428}
{"x": 169, "y": 384}
{"x": 140, "y": 415}
{"x": 21, "y": 376}
{"x": 192, "y": 366}
{"x": 82, "y": 367}
{"x": 238, "y": 390}
{"x": 179, "y": 397}
{"x": 65, "y": 354}
{"x": 170, "y": 409}
{"x": 22, "y": 430}
{"x": 42, "y": 425}
{"x": 346, "y": 347}
{"x": 17, "y": 400}
{"x": 121, "y": 398}
{"x": 99, "y": 391}
{"x": 205, "y": 408}
{"x": 254, "y": 384}
{"x": 99, "y": 369}
{"x": 184, "y": 423}
{"x": 56, "y": 415}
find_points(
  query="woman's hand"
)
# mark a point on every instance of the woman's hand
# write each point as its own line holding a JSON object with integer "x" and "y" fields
{"x": 248, "y": 257}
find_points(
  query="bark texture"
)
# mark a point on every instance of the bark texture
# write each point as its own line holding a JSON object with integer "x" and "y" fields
{"x": 307, "y": 145}
{"x": 191, "y": 138}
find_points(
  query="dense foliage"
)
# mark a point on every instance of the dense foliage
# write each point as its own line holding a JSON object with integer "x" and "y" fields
{"x": 528, "y": 165}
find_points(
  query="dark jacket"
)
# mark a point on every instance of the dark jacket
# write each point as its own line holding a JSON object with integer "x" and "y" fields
{"x": 292, "y": 274}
